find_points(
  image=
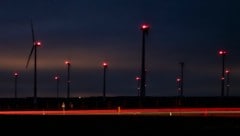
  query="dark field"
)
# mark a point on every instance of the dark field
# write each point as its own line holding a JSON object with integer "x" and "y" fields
{"x": 113, "y": 102}
{"x": 124, "y": 125}
{"x": 84, "y": 125}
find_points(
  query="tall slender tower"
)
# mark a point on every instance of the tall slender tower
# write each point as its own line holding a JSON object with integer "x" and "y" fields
{"x": 105, "y": 66}
{"x": 36, "y": 44}
{"x": 227, "y": 82}
{"x": 223, "y": 54}
{"x": 68, "y": 78}
{"x": 145, "y": 29}
{"x": 181, "y": 81}
{"x": 15, "y": 84}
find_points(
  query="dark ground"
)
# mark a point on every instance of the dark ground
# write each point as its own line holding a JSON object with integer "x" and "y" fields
{"x": 112, "y": 125}
{"x": 113, "y": 102}
{"x": 128, "y": 125}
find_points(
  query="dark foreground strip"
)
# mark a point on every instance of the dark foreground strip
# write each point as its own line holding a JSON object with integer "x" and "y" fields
{"x": 117, "y": 125}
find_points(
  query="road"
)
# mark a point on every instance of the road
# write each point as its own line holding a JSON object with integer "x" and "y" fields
{"x": 226, "y": 112}
{"x": 120, "y": 121}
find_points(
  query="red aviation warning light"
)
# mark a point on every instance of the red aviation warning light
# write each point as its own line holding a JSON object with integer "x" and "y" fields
{"x": 227, "y": 71}
{"x": 138, "y": 78}
{"x": 15, "y": 74}
{"x": 145, "y": 27}
{"x": 178, "y": 79}
{"x": 222, "y": 52}
{"x": 37, "y": 43}
{"x": 56, "y": 77}
{"x": 67, "y": 62}
{"x": 105, "y": 64}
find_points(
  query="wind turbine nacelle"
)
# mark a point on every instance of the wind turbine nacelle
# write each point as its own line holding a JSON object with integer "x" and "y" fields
{"x": 37, "y": 43}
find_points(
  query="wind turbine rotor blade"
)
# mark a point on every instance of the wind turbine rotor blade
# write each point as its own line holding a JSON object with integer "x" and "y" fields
{"x": 29, "y": 57}
{"x": 33, "y": 35}
{"x": 33, "y": 43}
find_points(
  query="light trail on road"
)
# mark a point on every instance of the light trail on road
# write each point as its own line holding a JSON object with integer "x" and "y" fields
{"x": 230, "y": 112}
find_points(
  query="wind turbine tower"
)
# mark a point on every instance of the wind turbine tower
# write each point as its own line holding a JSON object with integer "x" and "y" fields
{"x": 36, "y": 44}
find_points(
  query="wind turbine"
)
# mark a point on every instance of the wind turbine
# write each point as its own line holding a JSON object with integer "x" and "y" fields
{"x": 35, "y": 43}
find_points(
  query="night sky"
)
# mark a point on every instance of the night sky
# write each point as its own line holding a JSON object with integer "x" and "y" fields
{"x": 88, "y": 32}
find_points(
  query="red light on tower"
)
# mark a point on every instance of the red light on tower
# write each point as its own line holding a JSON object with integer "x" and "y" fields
{"x": 138, "y": 78}
{"x": 68, "y": 78}
{"x": 56, "y": 77}
{"x": 105, "y": 64}
{"x": 145, "y": 27}
{"x": 37, "y": 43}
{"x": 227, "y": 71}
{"x": 67, "y": 62}
{"x": 222, "y": 52}
{"x": 178, "y": 79}
{"x": 15, "y": 74}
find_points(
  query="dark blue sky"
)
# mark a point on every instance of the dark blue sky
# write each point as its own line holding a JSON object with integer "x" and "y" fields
{"x": 88, "y": 32}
